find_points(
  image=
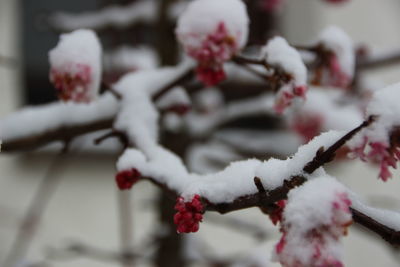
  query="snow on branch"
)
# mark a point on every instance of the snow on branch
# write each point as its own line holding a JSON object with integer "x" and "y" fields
{"x": 33, "y": 127}
{"x": 115, "y": 16}
{"x": 166, "y": 170}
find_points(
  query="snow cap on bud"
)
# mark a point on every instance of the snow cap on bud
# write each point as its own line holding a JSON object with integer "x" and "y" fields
{"x": 189, "y": 214}
{"x": 76, "y": 66}
{"x": 211, "y": 32}
{"x": 341, "y": 63}
{"x": 290, "y": 71}
{"x": 315, "y": 218}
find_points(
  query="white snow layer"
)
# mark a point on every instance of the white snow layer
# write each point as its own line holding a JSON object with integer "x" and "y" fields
{"x": 384, "y": 105}
{"x": 130, "y": 58}
{"x": 138, "y": 116}
{"x": 234, "y": 181}
{"x": 328, "y": 103}
{"x": 336, "y": 40}
{"x": 176, "y": 96}
{"x": 311, "y": 207}
{"x": 279, "y": 53}
{"x": 113, "y": 15}
{"x": 33, "y": 121}
{"x": 202, "y": 17}
{"x": 80, "y": 47}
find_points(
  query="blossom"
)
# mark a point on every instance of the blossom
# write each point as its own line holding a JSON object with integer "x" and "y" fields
{"x": 127, "y": 178}
{"x": 276, "y": 214}
{"x": 337, "y": 58}
{"x": 379, "y": 152}
{"x": 315, "y": 218}
{"x": 76, "y": 66}
{"x": 289, "y": 74}
{"x": 189, "y": 214}
{"x": 213, "y": 41}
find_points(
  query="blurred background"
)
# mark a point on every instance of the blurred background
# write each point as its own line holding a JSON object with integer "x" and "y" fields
{"x": 81, "y": 218}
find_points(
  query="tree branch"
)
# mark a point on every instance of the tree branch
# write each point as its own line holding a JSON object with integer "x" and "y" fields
{"x": 66, "y": 133}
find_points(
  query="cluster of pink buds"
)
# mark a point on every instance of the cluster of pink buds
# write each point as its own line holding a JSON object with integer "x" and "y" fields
{"x": 217, "y": 48}
{"x": 73, "y": 85}
{"x": 213, "y": 41}
{"x": 276, "y": 214}
{"x": 127, "y": 178}
{"x": 381, "y": 153}
{"x": 314, "y": 243}
{"x": 189, "y": 214}
{"x": 75, "y": 66}
{"x": 285, "y": 97}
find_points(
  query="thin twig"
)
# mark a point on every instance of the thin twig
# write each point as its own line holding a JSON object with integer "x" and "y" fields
{"x": 34, "y": 213}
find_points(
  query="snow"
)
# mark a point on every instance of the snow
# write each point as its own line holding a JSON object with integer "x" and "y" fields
{"x": 336, "y": 40}
{"x": 138, "y": 117}
{"x": 164, "y": 167}
{"x": 113, "y": 15}
{"x": 328, "y": 103}
{"x": 32, "y": 121}
{"x": 275, "y": 142}
{"x": 302, "y": 211}
{"x": 278, "y": 53}
{"x": 206, "y": 158}
{"x": 314, "y": 219}
{"x": 202, "y": 17}
{"x": 74, "y": 50}
{"x": 201, "y": 124}
{"x": 177, "y": 95}
{"x": 384, "y": 104}
{"x": 130, "y": 58}
{"x": 383, "y": 216}
{"x": 208, "y": 100}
